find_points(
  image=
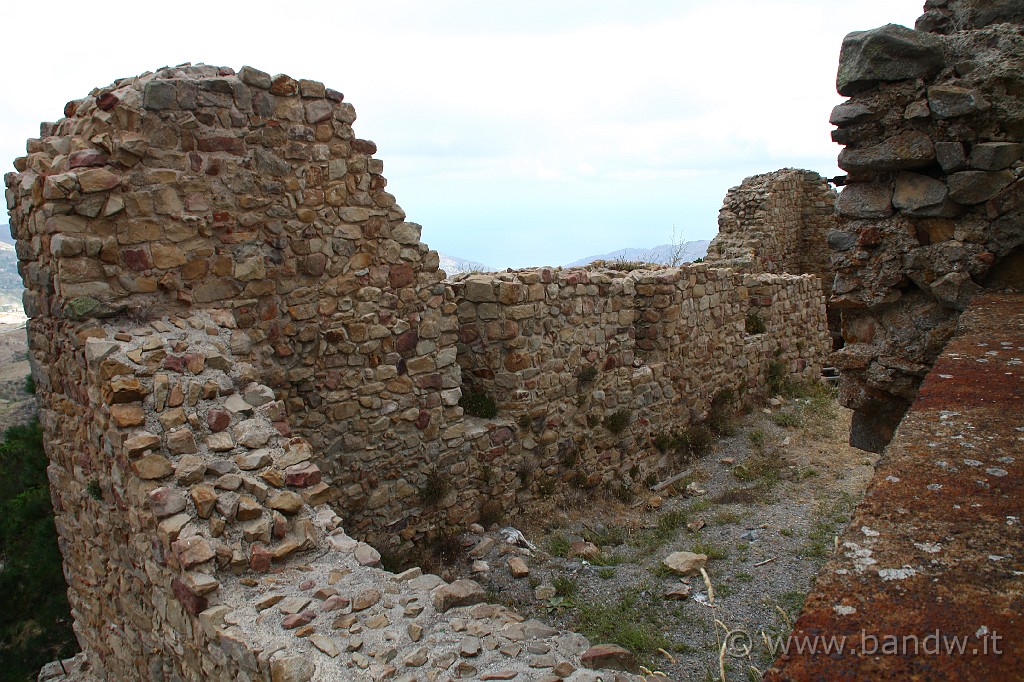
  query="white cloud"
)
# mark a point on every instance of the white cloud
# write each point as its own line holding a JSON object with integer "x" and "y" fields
{"x": 582, "y": 110}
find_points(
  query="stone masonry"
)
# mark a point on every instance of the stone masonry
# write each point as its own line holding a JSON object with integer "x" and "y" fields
{"x": 931, "y": 212}
{"x": 777, "y": 222}
{"x": 240, "y": 344}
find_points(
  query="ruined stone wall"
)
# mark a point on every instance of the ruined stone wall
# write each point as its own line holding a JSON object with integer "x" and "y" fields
{"x": 232, "y": 326}
{"x": 931, "y": 212}
{"x": 776, "y": 222}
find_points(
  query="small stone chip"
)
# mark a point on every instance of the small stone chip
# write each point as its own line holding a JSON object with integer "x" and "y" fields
{"x": 325, "y": 644}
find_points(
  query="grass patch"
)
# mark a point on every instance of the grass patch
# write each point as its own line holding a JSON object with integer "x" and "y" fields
{"x": 821, "y": 537}
{"x": 626, "y": 622}
{"x": 724, "y": 518}
{"x": 788, "y": 420}
{"x": 565, "y": 586}
{"x": 712, "y": 551}
{"x": 558, "y": 545}
{"x": 606, "y": 573}
{"x": 757, "y": 438}
{"x": 699, "y": 506}
{"x": 764, "y": 468}
{"x": 686, "y": 444}
{"x": 666, "y": 529}
{"x": 750, "y": 495}
{"x": 613, "y": 536}
{"x": 792, "y": 601}
{"x": 587, "y": 375}
{"x": 491, "y": 512}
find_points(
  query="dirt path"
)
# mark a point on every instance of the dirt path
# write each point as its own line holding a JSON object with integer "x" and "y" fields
{"x": 764, "y": 504}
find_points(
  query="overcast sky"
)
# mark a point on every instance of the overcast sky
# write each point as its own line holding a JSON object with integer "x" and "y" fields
{"x": 517, "y": 133}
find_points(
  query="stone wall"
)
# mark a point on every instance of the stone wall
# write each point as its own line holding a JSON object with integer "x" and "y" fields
{"x": 233, "y": 328}
{"x": 931, "y": 211}
{"x": 777, "y": 222}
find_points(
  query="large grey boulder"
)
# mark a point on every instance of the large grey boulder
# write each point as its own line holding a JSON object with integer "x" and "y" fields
{"x": 890, "y": 53}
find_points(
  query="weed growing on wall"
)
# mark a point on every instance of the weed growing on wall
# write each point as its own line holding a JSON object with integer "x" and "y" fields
{"x": 478, "y": 405}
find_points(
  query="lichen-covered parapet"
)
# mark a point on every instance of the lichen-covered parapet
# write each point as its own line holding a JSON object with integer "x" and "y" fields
{"x": 931, "y": 213}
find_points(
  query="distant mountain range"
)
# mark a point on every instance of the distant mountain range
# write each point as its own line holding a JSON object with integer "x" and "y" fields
{"x": 456, "y": 266}
{"x": 664, "y": 254}
{"x": 5, "y": 235}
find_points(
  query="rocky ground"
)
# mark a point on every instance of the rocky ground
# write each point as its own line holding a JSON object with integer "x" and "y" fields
{"x": 763, "y": 504}
{"x": 16, "y": 406}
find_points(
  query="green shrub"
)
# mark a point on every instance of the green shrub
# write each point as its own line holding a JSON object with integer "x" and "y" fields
{"x": 558, "y": 545}
{"x": 491, "y": 513}
{"x": 776, "y": 376}
{"x": 35, "y": 618}
{"x": 586, "y": 375}
{"x": 478, "y": 405}
{"x": 754, "y": 324}
{"x": 94, "y": 490}
{"x": 30, "y": 385}
{"x": 434, "y": 488}
{"x": 565, "y": 586}
{"x": 617, "y": 421}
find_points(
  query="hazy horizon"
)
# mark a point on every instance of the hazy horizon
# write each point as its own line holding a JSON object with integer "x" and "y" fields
{"x": 519, "y": 133}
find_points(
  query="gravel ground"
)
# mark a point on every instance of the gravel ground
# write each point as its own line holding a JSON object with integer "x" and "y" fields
{"x": 764, "y": 503}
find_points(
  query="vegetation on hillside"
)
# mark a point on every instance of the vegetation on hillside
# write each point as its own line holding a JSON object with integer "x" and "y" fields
{"x": 35, "y": 619}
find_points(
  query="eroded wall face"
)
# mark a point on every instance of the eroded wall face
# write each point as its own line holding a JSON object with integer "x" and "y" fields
{"x": 931, "y": 211}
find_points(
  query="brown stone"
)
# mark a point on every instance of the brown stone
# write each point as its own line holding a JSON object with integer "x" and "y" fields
{"x": 166, "y": 502}
{"x": 127, "y": 414}
{"x": 518, "y": 568}
{"x": 218, "y": 419}
{"x": 365, "y": 599}
{"x": 204, "y": 497}
{"x": 285, "y": 501}
{"x": 609, "y": 657}
{"x": 284, "y": 86}
{"x": 126, "y": 390}
{"x": 193, "y": 603}
{"x": 231, "y": 145}
{"x": 459, "y": 593}
{"x": 97, "y": 180}
{"x": 87, "y": 158}
{"x": 140, "y": 443}
{"x": 152, "y": 467}
{"x": 181, "y": 442}
{"x": 298, "y": 619}
{"x": 192, "y": 551}
{"x": 685, "y": 563}
{"x": 302, "y": 475}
